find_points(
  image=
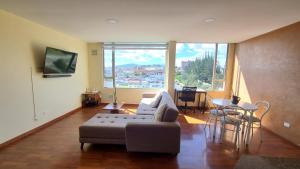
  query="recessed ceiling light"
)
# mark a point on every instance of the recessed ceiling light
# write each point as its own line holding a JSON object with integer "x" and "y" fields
{"x": 209, "y": 20}
{"x": 111, "y": 21}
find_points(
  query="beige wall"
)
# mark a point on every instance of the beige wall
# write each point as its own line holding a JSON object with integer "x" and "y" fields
{"x": 22, "y": 46}
{"x": 170, "y": 68}
{"x": 267, "y": 68}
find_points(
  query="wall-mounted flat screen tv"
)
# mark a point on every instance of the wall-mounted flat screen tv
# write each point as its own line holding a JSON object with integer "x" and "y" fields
{"x": 59, "y": 61}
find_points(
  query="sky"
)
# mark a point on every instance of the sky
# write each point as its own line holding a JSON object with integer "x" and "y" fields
{"x": 184, "y": 52}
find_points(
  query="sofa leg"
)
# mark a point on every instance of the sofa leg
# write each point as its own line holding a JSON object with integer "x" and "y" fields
{"x": 81, "y": 146}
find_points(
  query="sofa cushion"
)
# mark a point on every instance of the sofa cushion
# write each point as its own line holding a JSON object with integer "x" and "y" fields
{"x": 156, "y": 100}
{"x": 159, "y": 113}
{"x": 145, "y": 107}
{"x": 110, "y": 126}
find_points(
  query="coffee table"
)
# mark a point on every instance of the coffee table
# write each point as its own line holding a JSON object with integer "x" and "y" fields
{"x": 113, "y": 108}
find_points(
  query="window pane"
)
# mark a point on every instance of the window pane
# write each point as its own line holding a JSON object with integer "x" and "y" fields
{"x": 221, "y": 61}
{"x": 140, "y": 68}
{"x": 194, "y": 65}
{"x": 107, "y": 63}
{"x": 219, "y": 85}
{"x": 108, "y": 82}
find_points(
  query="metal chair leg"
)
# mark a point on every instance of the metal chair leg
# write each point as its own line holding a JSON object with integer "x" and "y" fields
{"x": 207, "y": 121}
{"x": 246, "y": 133}
{"x": 215, "y": 127}
{"x": 235, "y": 134}
{"x": 260, "y": 131}
{"x": 252, "y": 129}
{"x": 222, "y": 132}
{"x": 238, "y": 137}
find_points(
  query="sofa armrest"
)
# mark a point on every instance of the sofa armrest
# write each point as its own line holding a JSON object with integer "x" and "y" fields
{"x": 149, "y": 95}
{"x": 159, "y": 137}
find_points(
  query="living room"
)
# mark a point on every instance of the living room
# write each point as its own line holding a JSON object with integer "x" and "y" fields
{"x": 138, "y": 57}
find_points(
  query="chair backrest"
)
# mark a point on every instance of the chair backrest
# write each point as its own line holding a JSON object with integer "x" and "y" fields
{"x": 263, "y": 108}
{"x": 188, "y": 94}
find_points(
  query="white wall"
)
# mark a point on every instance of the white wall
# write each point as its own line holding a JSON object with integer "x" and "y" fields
{"x": 22, "y": 46}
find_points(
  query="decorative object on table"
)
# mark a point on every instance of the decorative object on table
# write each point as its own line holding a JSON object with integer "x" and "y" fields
{"x": 235, "y": 99}
{"x": 261, "y": 162}
{"x": 115, "y": 97}
{"x": 188, "y": 94}
{"x": 263, "y": 109}
{"x": 91, "y": 97}
{"x": 113, "y": 108}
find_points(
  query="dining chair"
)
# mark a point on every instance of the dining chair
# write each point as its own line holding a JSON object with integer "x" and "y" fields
{"x": 214, "y": 112}
{"x": 233, "y": 121}
{"x": 263, "y": 109}
{"x": 188, "y": 94}
{"x": 219, "y": 114}
{"x": 233, "y": 111}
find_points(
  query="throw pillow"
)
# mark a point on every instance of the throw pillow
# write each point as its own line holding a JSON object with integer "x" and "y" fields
{"x": 159, "y": 113}
{"x": 156, "y": 100}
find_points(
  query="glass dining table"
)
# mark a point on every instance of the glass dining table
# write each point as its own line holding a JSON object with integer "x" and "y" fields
{"x": 247, "y": 107}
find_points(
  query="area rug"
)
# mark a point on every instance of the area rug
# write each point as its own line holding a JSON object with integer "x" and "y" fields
{"x": 261, "y": 162}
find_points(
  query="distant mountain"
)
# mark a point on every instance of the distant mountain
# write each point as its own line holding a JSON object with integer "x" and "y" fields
{"x": 135, "y": 65}
{"x": 127, "y": 65}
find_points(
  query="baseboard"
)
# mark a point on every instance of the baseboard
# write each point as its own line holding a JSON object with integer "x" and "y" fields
{"x": 34, "y": 130}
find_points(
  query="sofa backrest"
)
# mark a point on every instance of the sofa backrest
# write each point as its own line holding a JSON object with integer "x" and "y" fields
{"x": 167, "y": 99}
{"x": 171, "y": 113}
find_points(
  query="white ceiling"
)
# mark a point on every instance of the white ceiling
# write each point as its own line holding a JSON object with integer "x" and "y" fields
{"x": 159, "y": 20}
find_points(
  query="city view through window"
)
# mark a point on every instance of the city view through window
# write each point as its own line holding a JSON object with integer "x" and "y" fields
{"x": 197, "y": 64}
{"x": 135, "y": 68}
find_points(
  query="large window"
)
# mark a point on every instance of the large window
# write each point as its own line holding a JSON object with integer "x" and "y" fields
{"x": 138, "y": 65}
{"x": 201, "y": 64}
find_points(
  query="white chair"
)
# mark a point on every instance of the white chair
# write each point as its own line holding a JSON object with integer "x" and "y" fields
{"x": 263, "y": 109}
{"x": 236, "y": 123}
{"x": 232, "y": 111}
{"x": 215, "y": 113}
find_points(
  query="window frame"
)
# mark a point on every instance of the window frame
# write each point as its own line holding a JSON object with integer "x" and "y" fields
{"x": 130, "y": 46}
{"x": 214, "y": 79}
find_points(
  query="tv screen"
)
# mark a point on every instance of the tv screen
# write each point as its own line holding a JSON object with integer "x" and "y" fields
{"x": 59, "y": 61}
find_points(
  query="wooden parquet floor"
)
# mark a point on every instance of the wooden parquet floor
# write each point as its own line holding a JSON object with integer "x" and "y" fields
{"x": 57, "y": 147}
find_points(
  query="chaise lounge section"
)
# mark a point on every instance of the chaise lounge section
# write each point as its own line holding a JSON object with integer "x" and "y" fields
{"x": 153, "y": 129}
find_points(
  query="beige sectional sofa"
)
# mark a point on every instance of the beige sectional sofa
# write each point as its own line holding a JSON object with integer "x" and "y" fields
{"x": 154, "y": 128}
